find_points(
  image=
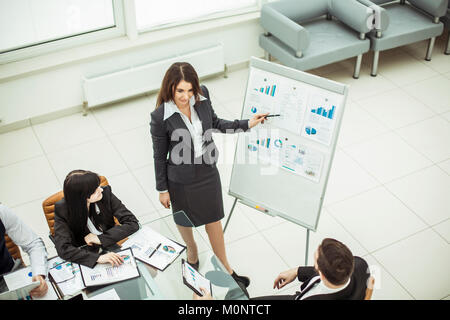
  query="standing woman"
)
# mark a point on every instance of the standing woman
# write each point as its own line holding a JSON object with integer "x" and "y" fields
{"x": 188, "y": 179}
{"x": 84, "y": 221}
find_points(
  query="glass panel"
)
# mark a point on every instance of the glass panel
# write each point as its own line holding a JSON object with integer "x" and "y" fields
{"x": 30, "y": 22}
{"x": 152, "y": 13}
{"x": 154, "y": 284}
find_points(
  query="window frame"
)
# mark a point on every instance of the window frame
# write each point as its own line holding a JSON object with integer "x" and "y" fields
{"x": 49, "y": 46}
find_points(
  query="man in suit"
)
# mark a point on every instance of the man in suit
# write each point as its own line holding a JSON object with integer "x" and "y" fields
{"x": 31, "y": 243}
{"x": 336, "y": 275}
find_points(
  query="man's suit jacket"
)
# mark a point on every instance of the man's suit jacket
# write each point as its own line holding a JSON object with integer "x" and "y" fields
{"x": 356, "y": 289}
{"x": 110, "y": 206}
{"x": 163, "y": 132}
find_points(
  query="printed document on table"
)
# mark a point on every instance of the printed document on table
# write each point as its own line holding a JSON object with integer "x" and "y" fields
{"x": 105, "y": 273}
{"x": 153, "y": 248}
{"x": 66, "y": 275}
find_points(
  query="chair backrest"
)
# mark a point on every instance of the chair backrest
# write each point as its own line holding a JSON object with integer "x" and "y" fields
{"x": 369, "y": 290}
{"x": 49, "y": 206}
{"x": 13, "y": 249}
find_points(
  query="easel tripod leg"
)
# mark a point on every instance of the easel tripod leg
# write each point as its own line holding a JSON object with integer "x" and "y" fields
{"x": 229, "y": 216}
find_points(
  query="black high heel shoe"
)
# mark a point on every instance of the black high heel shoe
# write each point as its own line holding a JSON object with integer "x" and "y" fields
{"x": 242, "y": 279}
{"x": 195, "y": 265}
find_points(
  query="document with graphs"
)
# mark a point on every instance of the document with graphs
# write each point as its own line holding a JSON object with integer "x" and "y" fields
{"x": 105, "y": 273}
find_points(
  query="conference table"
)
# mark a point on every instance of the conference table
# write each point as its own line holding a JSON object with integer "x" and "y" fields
{"x": 153, "y": 284}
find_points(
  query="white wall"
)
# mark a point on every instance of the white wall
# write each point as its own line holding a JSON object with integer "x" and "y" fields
{"x": 58, "y": 89}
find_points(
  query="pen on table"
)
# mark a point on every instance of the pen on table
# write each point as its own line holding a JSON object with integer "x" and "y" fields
{"x": 156, "y": 249}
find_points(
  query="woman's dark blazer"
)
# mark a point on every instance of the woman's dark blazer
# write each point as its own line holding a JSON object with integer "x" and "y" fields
{"x": 164, "y": 142}
{"x": 110, "y": 206}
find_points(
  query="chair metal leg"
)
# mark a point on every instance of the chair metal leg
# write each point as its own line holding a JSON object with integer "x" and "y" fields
{"x": 376, "y": 56}
{"x": 447, "y": 48}
{"x": 267, "y": 56}
{"x": 357, "y": 66}
{"x": 430, "y": 48}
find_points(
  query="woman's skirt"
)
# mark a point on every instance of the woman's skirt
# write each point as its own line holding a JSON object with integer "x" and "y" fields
{"x": 201, "y": 199}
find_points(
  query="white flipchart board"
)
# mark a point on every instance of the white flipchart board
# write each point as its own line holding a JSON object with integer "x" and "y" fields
{"x": 282, "y": 166}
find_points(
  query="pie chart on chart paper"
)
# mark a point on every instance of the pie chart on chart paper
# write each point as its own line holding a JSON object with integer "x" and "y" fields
{"x": 310, "y": 131}
{"x": 169, "y": 249}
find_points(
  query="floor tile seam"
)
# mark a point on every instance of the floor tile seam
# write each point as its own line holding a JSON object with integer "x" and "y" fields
{"x": 90, "y": 113}
{"x": 434, "y": 114}
{"x": 275, "y": 250}
{"x": 433, "y": 226}
{"x": 412, "y": 82}
{"x": 396, "y": 132}
{"x": 439, "y": 165}
{"x": 348, "y": 232}
{"x": 386, "y": 269}
{"x": 358, "y": 162}
{"x": 412, "y": 210}
{"x": 23, "y": 160}
{"x": 419, "y": 101}
{"x": 48, "y": 160}
{"x": 407, "y": 237}
{"x": 359, "y": 193}
{"x": 66, "y": 148}
{"x": 129, "y": 170}
{"x": 27, "y": 202}
{"x": 358, "y": 99}
{"x": 128, "y": 130}
{"x": 438, "y": 75}
{"x": 342, "y": 147}
{"x": 234, "y": 241}
{"x": 392, "y": 276}
{"x": 396, "y": 178}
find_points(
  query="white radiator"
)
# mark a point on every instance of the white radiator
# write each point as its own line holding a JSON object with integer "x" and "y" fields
{"x": 140, "y": 79}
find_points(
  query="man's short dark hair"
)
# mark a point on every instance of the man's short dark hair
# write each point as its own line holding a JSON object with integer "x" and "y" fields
{"x": 335, "y": 261}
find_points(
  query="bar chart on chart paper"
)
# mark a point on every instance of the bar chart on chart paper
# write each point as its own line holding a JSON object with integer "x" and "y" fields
{"x": 268, "y": 90}
{"x": 321, "y": 118}
{"x": 321, "y": 111}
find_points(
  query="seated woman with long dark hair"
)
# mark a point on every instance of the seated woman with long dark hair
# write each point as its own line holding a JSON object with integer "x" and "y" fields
{"x": 84, "y": 221}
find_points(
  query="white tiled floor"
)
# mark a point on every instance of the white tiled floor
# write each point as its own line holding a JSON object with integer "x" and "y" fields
{"x": 388, "y": 192}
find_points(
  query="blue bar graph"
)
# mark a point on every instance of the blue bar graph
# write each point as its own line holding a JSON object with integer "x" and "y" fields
{"x": 324, "y": 113}
{"x": 268, "y": 90}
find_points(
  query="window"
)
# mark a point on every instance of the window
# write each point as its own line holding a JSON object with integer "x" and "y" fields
{"x": 151, "y": 14}
{"x": 36, "y": 23}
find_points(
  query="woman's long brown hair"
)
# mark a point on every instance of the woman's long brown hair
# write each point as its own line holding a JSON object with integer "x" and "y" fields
{"x": 177, "y": 72}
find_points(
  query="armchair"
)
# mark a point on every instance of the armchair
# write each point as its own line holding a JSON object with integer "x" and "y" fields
{"x": 404, "y": 22}
{"x": 446, "y": 20}
{"x": 305, "y": 34}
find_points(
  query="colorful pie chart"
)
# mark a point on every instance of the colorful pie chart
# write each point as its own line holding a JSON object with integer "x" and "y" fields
{"x": 310, "y": 131}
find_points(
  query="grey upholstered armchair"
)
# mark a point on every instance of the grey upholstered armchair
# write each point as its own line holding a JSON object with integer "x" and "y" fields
{"x": 307, "y": 34}
{"x": 446, "y": 20}
{"x": 404, "y": 22}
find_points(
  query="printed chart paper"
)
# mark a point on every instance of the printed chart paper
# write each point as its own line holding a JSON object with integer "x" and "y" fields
{"x": 105, "y": 273}
{"x": 153, "y": 248}
{"x": 280, "y": 152}
{"x": 320, "y": 119}
{"x": 307, "y": 112}
{"x": 66, "y": 275}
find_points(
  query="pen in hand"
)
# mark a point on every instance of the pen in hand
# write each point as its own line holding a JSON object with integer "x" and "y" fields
{"x": 272, "y": 115}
